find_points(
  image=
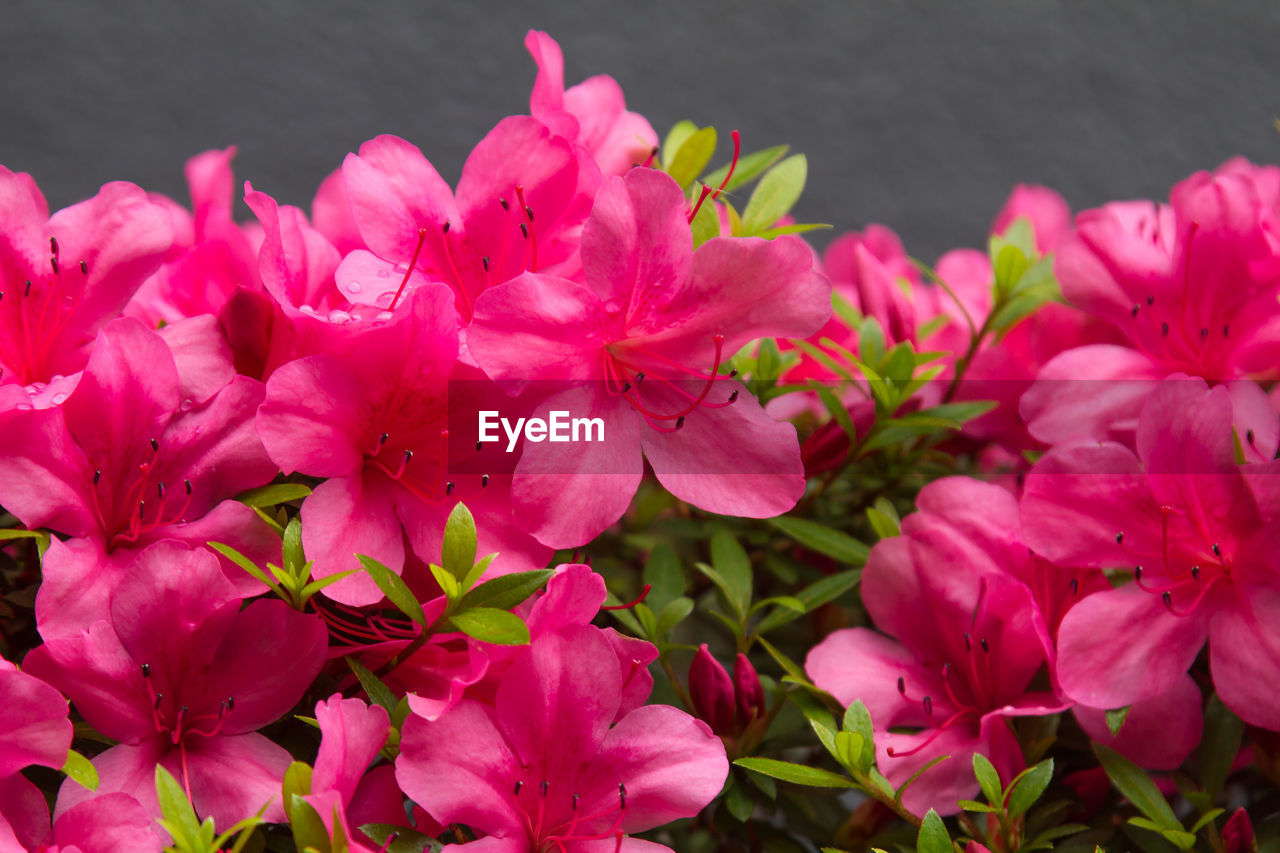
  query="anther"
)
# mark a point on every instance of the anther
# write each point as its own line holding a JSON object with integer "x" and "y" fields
{"x": 155, "y": 445}
{"x": 97, "y": 476}
{"x": 528, "y": 212}
{"x": 445, "y": 228}
{"x": 146, "y": 670}
{"x": 1248, "y": 436}
{"x": 902, "y": 685}
{"x": 187, "y": 485}
{"x": 408, "y": 456}
{"x": 160, "y": 490}
{"x": 382, "y": 439}
{"x": 53, "y": 262}
{"x": 968, "y": 645}
{"x": 1195, "y": 572}
{"x": 1119, "y": 538}
{"x": 622, "y": 796}
{"x": 1164, "y": 330}
{"x": 679, "y": 422}
{"x": 983, "y": 643}
{"x": 503, "y": 202}
{"x": 639, "y": 377}
{"x": 448, "y": 488}
{"x": 1075, "y": 587}
{"x": 542, "y": 788}
{"x": 1226, "y": 331}
{"x": 84, "y": 268}
{"x": 928, "y": 706}
{"x": 733, "y": 396}
{"x": 53, "y": 245}
{"x": 1151, "y": 300}
{"x": 1167, "y": 598}
{"x": 26, "y": 291}
{"x": 1137, "y": 573}
{"x": 478, "y": 443}
{"x": 230, "y": 703}
{"x": 524, "y": 230}
{"x": 576, "y": 798}
{"x": 484, "y": 480}
{"x": 1217, "y": 551}
{"x": 1204, "y": 333}
{"x": 519, "y": 785}
{"x": 1134, "y": 312}
{"x": 485, "y": 261}
{"x": 733, "y": 373}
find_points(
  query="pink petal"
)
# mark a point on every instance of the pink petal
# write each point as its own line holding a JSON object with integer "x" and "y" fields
{"x": 346, "y": 516}
{"x": 310, "y": 418}
{"x": 859, "y": 664}
{"x": 394, "y": 191}
{"x": 351, "y": 734}
{"x": 1158, "y": 733}
{"x": 107, "y": 824}
{"x": 548, "y": 87}
{"x": 1244, "y": 654}
{"x": 1093, "y": 391}
{"x": 202, "y": 356}
{"x": 24, "y": 815}
{"x": 44, "y": 476}
{"x": 34, "y": 728}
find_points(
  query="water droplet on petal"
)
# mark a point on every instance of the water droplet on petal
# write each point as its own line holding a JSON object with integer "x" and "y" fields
{"x": 59, "y": 399}
{"x": 384, "y": 299}
{"x": 384, "y": 273}
{"x": 353, "y": 286}
{"x": 23, "y": 407}
{"x": 186, "y": 404}
{"x": 337, "y": 316}
{"x": 384, "y": 315}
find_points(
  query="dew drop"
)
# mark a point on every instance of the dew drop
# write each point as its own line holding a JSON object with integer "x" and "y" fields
{"x": 337, "y": 316}
{"x": 384, "y": 299}
{"x": 59, "y": 399}
{"x": 23, "y": 407}
{"x": 353, "y": 287}
{"x": 186, "y": 405}
{"x": 384, "y": 315}
{"x": 384, "y": 273}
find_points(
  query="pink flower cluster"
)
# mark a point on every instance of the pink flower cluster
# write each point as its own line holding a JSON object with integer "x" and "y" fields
{"x": 1142, "y": 522}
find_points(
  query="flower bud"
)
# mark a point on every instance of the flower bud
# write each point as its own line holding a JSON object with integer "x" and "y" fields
{"x": 747, "y": 690}
{"x": 1237, "y": 834}
{"x": 711, "y": 691}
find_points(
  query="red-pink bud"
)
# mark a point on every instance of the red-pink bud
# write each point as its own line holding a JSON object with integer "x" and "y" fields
{"x": 1237, "y": 834}
{"x": 711, "y": 691}
{"x": 747, "y": 690}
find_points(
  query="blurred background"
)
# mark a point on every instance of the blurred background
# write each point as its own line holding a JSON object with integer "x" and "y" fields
{"x": 920, "y": 115}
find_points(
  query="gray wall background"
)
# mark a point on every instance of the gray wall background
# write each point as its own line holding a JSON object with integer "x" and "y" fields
{"x": 917, "y": 114}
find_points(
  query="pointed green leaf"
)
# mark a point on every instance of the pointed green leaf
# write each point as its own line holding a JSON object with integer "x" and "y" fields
{"x": 179, "y": 817}
{"x": 273, "y": 495}
{"x": 738, "y": 801}
{"x": 394, "y": 588}
{"x": 849, "y": 749}
{"x": 834, "y": 543}
{"x": 884, "y": 526}
{"x": 378, "y": 692}
{"x": 317, "y": 585}
{"x": 506, "y": 591}
{"x": 675, "y": 138}
{"x": 902, "y": 789}
{"x": 691, "y": 157}
{"x": 308, "y": 828}
{"x": 297, "y": 780}
{"x": 477, "y": 571}
{"x": 1205, "y": 819}
{"x": 798, "y": 774}
{"x": 499, "y": 627}
{"x": 245, "y": 563}
{"x": 407, "y": 840}
{"x": 971, "y": 806}
{"x": 664, "y": 576}
{"x": 858, "y": 719}
{"x": 458, "y": 551}
{"x": 778, "y": 191}
{"x": 933, "y": 837}
{"x": 291, "y": 547}
{"x": 988, "y": 779}
{"x": 793, "y": 228}
{"x": 1115, "y": 719}
{"x": 1219, "y": 746}
{"x": 733, "y": 564}
{"x": 1132, "y": 781}
{"x": 1030, "y": 787}
{"x": 826, "y": 735}
{"x": 79, "y": 768}
{"x": 672, "y": 615}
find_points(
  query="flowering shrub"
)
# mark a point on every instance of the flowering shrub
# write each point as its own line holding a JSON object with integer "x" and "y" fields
{"x": 584, "y": 506}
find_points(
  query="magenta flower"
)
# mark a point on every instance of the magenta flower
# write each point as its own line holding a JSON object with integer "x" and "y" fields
{"x": 519, "y": 205}
{"x": 642, "y": 342}
{"x": 34, "y": 729}
{"x": 184, "y": 677}
{"x": 543, "y": 770}
{"x": 212, "y": 257}
{"x": 1197, "y": 530}
{"x": 372, "y": 415}
{"x": 969, "y": 638}
{"x": 127, "y": 459}
{"x": 1190, "y": 286}
{"x": 593, "y": 113}
{"x": 65, "y": 276}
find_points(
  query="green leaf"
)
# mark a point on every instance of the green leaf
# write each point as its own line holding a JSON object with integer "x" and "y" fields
{"x": 245, "y": 563}
{"x": 500, "y": 627}
{"x": 902, "y": 789}
{"x": 316, "y": 585}
{"x": 826, "y": 734}
{"x": 448, "y": 583}
{"x": 395, "y": 589}
{"x": 798, "y": 774}
{"x": 1115, "y": 719}
{"x": 1237, "y": 447}
{"x": 849, "y": 749}
{"x": 691, "y": 157}
{"x": 506, "y": 591}
{"x": 675, "y": 138}
{"x": 857, "y": 719}
{"x": 1205, "y": 819}
{"x": 884, "y": 526}
{"x": 407, "y": 840}
{"x": 13, "y": 533}
{"x": 933, "y": 837}
{"x": 179, "y": 818}
{"x": 273, "y": 495}
{"x": 818, "y": 537}
{"x": 738, "y": 801}
{"x": 1137, "y": 786}
{"x": 1008, "y": 265}
{"x": 733, "y": 564}
{"x": 793, "y": 228}
{"x": 477, "y": 571}
{"x": 664, "y": 576}
{"x": 726, "y": 592}
{"x": 79, "y": 768}
{"x": 971, "y": 806}
{"x": 783, "y": 661}
{"x": 988, "y": 779}
{"x": 672, "y": 615}
{"x": 297, "y": 780}
{"x": 1218, "y": 747}
{"x": 291, "y": 547}
{"x": 378, "y": 692}
{"x": 775, "y": 195}
{"x": 1030, "y": 787}
{"x": 308, "y": 828}
{"x": 750, "y": 166}
{"x": 458, "y": 551}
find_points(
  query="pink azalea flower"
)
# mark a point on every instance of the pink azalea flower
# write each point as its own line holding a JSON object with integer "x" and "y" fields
{"x": 593, "y": 113}
{"x": 220, "y": 257}
{"x": 184, "y": 677}
{"x": 1190, "y": 286}
{"x": 372, "y": 415}
{"x": 1198, "y": 530}
{"x": 519, "y": 205}
{"x": 106, "y": 824}
{"x": 67, "y": 275}
{"x": 125, "y": 460}
{"x": 547, "y": 769}
{"x": 34, "y": 729}
{"x": 968, "y": 638}
{"x": 641, "y": 343}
